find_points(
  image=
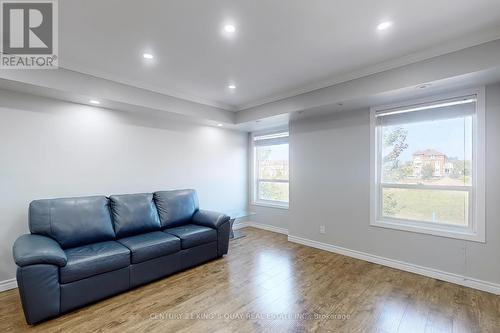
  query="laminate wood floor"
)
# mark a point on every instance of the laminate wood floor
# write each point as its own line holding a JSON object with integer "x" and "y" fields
{"x": 267, "y": 284}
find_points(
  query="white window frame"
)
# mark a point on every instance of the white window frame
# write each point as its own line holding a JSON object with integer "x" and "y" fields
{"x": 254, "y": 182}
{"x": 477, "y": 228}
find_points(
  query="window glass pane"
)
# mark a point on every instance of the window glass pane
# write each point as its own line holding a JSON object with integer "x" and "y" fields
{"x": 426, "y": 151}
{"x": 273, "y": 191}
{"x": 272, "y": 162}
{"x": 437, "y": 206}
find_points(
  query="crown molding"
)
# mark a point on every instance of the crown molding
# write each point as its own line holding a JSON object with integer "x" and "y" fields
{"x": 441, "y": 49}
{"x": 450, "y": 67}
{"x": 79, "y": 87}
{"x": 141, "y": 85}
{"x": 74, "y": 86}
{"x": 470, "y": 40}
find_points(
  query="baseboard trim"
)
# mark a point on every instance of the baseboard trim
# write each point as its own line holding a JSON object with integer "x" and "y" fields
{"x": 262, "y": 226}
{"x": 404, "y": 266}
{"x": 240, "y": 225}
{"x": 268, "y": 227}
{"x": 8, "y": 284}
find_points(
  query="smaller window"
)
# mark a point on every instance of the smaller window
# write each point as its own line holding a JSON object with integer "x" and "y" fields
{"x": 270, "y": 172}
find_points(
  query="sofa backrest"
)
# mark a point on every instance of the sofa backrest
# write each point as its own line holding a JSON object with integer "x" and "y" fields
{"x": 134, "y": 214}
{"x": 72, "y": 221}
{"x": 176, "y": 207}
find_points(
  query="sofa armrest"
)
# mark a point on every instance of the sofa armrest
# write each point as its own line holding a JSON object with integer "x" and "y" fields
{"x": 209, "y": 219}
{"x": 218, "y": 221}
{"x": 35, "y": 249}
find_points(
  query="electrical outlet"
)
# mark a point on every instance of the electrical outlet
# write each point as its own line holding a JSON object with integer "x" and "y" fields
{"x": 322, "y": 229}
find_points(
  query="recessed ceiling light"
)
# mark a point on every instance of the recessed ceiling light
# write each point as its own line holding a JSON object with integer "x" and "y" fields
{"x": 229, "y": 28}
{"x": 220, "y": 125}
{"x": 384, "y": 25}
{"x": 94, "y": 101}
{"x": 147, "y": 56}
{"x": 231, "y": 86}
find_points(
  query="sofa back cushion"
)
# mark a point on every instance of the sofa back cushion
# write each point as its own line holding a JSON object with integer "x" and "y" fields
{"x": 176, "y": 207}
{"x": 134, "y": 214}
{"x": 72, "y": 221}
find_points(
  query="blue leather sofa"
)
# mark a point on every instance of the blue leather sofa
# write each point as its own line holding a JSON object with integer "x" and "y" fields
{"x": 84, "y": 249}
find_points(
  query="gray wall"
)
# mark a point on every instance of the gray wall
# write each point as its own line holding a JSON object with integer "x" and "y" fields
{"x": 330, "y": 185}
{"x": 276, "y": 217}
{"x": 50, "y": 148}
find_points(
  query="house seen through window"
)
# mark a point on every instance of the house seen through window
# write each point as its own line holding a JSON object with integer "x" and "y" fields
{"x": 425, "y": 166}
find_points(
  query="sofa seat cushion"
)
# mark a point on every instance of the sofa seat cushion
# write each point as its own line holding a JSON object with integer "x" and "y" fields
{"x": 88, "y": 260}
{"x": 151, "y": 245}
{"x": 192, "y": 235}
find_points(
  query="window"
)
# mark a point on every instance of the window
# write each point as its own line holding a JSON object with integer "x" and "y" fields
{"x": 427, "y": 166}
{"x": 270, "y": 174}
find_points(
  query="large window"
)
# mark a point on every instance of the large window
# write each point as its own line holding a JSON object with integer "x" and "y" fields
{"x": 427, "y": 166}
{"x": 270, "y": 172}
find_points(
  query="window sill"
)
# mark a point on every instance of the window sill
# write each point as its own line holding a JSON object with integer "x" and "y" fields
{"x": 431, "y": 230}
{"x": 270, "y": 205}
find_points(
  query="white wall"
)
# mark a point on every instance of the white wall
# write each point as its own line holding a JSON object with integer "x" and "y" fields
{"x": 50, "y": 148}
{"x": 330, "y": 185}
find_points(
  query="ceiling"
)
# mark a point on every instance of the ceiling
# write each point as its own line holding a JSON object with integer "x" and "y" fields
{"x": 280, "y": 48}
